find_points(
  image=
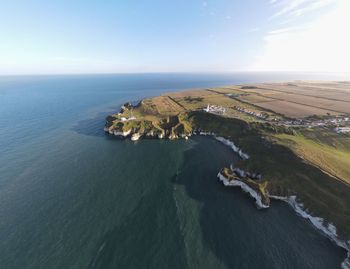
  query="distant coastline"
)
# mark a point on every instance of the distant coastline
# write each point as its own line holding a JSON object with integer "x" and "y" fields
{"x": 268, "y": 137}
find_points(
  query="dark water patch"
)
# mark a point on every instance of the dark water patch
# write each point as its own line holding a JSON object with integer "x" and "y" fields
{"x": 70, "y": 198}
{"x": 242, "y": 236}
{"x": 92, "y": 126}
{"x": 148, "y": 238}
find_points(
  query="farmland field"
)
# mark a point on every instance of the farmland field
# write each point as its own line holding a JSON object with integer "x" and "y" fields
{"x": 294, "y": 110}
{"x": 291, "y": 99}
{"x": 311, "y": 98}
{"x": 289, "y": 131}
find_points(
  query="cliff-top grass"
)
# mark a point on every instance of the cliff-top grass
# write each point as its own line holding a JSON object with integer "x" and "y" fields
{"x": 313, "y": 164}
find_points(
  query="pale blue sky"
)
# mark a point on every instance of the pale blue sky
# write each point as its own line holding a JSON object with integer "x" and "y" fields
{"x": 85, "y": 36}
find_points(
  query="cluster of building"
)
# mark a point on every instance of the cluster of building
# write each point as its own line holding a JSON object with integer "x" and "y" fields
{"x": 341, "y": 123}
{"x": 342, "y": 130}
{"x": 316, "y": 123}
{"x": 260, "y": 115}
{"x": 339, "y": 120}
{"x": 294, "y": 123}
{"x": 215, "y": 109}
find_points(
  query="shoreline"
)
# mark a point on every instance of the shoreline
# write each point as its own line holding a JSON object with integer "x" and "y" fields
{"x": 330, "y": 231}
{"x": 263, "y": 176}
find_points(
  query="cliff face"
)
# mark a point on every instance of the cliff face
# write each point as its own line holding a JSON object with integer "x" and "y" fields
{"x": 256, "y": 188}
{"x": 275, "y": 170}
{"x": 128, "y": 129}
{"x": 284, "y": 161}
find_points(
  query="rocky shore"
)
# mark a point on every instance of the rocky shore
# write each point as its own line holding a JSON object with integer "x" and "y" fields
{"x": 126, "y": 125}
{"x": 263, "y": 198}
{"x": 129, "y": 123}
{"x": 260, "y": 199}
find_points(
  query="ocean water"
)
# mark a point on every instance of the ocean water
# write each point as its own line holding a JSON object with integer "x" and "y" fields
{"x": 72, "y": 197}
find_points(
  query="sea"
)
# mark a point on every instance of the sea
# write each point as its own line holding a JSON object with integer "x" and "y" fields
{"x": 73, "y": 197}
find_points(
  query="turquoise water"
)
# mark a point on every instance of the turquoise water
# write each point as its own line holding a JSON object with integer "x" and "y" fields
{"x": 72, "y": 197}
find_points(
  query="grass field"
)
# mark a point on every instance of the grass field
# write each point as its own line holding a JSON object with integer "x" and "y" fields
{"x": 291, "y": 165}
{"x": 334, "y": 160}
{"x": 313, "y": 164}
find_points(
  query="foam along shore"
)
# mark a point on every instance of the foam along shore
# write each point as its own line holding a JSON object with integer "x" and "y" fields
{"x": 228, "y": 143}
{"x": 237, "y": 183}
{"x": 163, "y": 117}
{"x": 346, "y": 263}
{"x": 327, "y": 229}
{"x": 260, "y": 202}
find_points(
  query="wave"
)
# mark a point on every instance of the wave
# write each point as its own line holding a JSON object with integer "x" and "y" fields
{"x": 228, "y": 143}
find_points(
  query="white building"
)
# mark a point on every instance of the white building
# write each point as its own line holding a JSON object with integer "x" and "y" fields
{"x": 215, "y": 109}
{"x": 342, "y": 130}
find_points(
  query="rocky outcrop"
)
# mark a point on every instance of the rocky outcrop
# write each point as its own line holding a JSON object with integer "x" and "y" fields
{"x": 261, "y": 201}
{"x": 262, "y": 198}
{"x": 126, "y": 125}
{"x": 256, "y": 190}
{"x": 326, "y": 228}
{"x": 147, "y": 129}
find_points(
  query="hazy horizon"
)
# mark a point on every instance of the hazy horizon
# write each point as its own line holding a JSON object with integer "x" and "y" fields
{"x": 313, "y": 75}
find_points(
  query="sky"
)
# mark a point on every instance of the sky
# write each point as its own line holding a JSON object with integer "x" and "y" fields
{"x": 132, "y": 36}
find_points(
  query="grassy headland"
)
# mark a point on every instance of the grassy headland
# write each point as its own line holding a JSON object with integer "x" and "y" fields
{"x": 295, "y": 152}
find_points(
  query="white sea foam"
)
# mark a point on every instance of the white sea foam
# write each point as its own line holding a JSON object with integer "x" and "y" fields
{"x": 346, "y": 263}
{"x": 276, "y": 197}
{"x": 244, "y": 187}
{"x": 328, "y": 229}
{"x": 125, "y": 133}
{"x": 228, "y": 143}
{"x": 236, "y": 149}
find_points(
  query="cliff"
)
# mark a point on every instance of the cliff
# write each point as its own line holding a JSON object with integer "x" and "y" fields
{"x": 277, "y": 171}
{"x": 125, "y": 124}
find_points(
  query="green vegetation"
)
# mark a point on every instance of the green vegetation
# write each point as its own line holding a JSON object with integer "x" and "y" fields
{"x": 313, "y": 164}
{"x": 285, "y": 172}
{"x": 191, "y": 99}
{"x": 260, "y": 187}
{"x": 334, "y": 159}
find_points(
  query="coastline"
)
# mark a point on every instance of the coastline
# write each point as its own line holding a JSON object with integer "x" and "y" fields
{"x": 329, "y": 231}
{"x": 253, "y": 136}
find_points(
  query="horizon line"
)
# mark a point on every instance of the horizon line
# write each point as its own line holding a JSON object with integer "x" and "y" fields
{"x": 171, "y": 72}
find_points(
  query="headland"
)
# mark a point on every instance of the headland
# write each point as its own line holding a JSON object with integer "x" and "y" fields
{"x": 293, "y": 139}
